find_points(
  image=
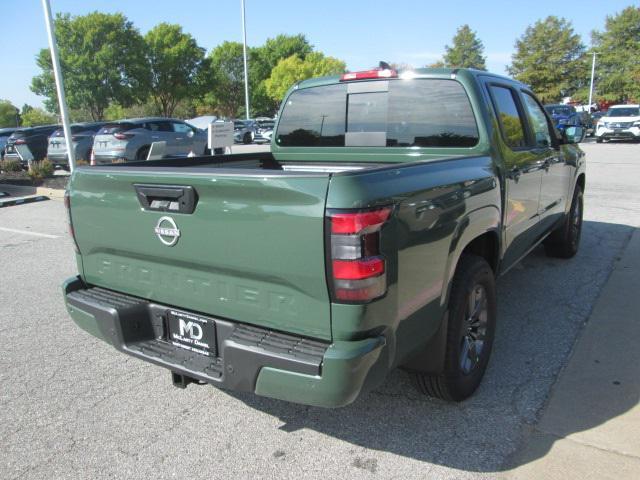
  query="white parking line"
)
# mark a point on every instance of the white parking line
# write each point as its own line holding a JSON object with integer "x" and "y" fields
{"x": 24, "y": 232}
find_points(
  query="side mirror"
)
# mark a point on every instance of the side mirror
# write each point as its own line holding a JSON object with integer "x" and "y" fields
{"x": 573, "y": 134}
{"x": 190, "y": 133}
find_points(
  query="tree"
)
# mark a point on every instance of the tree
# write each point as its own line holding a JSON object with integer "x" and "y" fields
{"x": 102, "y": 60}
{"x": 618, "y": 60}
{"x": 226, "y": 79}
{"x": 466, "y": 50}
{"x": 37, "y": 116}
{"x": 263, "y": 61}
{"x": 175, "y": 61}
{"x": 550, "y": 58}
{"x": 9, "y": 114}
{"x": 293, "y": 69}
{"x": 225, "y": 75}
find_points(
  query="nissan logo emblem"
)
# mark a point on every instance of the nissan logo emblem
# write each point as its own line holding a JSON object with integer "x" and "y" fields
{"x": 167, "y": 231}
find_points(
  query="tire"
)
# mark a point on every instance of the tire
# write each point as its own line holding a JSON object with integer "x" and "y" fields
{"x": 143, "y": 153}
{"x": 246, "y": 139}
{"x": 564, "y": 241}
{"x": 599, "y": 140}
{"x": 473, "y": 286}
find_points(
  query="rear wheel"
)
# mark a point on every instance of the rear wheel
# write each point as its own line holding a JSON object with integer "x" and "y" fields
{"x": 565, "y": 240}
{"x": 246, "y": 139}
{"x": 599, "y": 140}
{"x": 470, "y": 332}
{"x": 143, "y": 153}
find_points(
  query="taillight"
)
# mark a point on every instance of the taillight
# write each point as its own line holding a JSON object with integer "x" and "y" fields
{"x": 72, "y": 232}
{"x": 20, "y": 141}
{"x": 123, "y": 136}
{"x": 358, "y": 269}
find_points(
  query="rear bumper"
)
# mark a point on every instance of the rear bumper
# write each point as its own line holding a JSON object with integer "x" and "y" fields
{"x": 269, "y": 363}
{"x": 111, "y": 157}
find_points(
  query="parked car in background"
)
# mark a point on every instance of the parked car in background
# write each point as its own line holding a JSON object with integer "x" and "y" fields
{"x": 202, "y": 122}
{"x": 620, "y": 122}
{"x": 82, "y": 135}
{"x": 35, "y": 138}
{"x": 5, "y": 133}
{"x": 586, "y": 121}
{"x": 563, "y": 116}
{"x": 131, "y": 139}
{"x": 244, "y": 131}
{"x": 264, "y": 129}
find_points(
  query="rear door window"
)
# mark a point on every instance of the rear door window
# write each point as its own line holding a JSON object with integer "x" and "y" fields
{"x": 511, "y": 121}
{"x": 404, "y": 113}
{"x": 181, "y": 127}
{"x": 159, "y": 126}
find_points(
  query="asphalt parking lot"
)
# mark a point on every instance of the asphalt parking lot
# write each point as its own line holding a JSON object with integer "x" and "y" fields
{"x": 71, "y": 407}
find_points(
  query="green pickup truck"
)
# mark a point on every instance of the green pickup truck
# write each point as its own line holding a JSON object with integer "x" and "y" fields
{"x": 369, "y": 238}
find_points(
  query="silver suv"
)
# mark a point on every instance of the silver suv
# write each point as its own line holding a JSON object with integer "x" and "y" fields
{"x": 81, "y": 139}
{"x": 131, "y": 139}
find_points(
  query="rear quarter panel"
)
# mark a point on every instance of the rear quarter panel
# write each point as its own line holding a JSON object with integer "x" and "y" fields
{"x": 439, "y": 207}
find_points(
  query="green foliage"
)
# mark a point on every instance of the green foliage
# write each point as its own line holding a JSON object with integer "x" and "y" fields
{"x": 47, "y": 168}
{"x": 225, "y": 75}
{"x": 8, "y": 114}
{"x": 226, "y": 79}
{"x": 550, "y": 57}
{"x": 466, "y": 51}
{"x": 40, "y": 170}
{"x": 618, "y": 60}
{"x": 293, "y": 69}
{"x": 176, "y": 62}
{"x": 37, "y": 116}
{"x": 10, "y": 166}
{"x": 102, "y": 60}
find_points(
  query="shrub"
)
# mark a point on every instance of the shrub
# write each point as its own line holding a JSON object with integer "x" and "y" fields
{"x": 40, "y": 170}
{"x": 35, "y": 173}
{"x": 46, "y": 168}
{"x": 80, "y": 163}
{"x": 10, "y": 166}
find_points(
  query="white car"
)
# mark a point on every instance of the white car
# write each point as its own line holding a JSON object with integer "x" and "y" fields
{"x": 620, "y": 122}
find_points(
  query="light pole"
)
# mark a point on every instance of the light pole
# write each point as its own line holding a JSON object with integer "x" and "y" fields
{"x": 244, "y": 53}
{"x": 57, "y": 73}
{"x": 593, "y": 71}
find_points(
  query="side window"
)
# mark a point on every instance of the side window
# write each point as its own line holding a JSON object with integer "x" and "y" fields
{"x": 511, "y": 123}
{"x": 538, "y": 121}
{"x": 181, "y": 127}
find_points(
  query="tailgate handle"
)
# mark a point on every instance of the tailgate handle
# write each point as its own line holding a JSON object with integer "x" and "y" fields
{"x": 167, "y": 198}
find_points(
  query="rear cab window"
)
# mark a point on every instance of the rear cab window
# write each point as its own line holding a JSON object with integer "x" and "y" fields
{"x": 390, "y": 113}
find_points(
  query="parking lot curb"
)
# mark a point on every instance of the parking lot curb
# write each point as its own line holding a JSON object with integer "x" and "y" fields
{"x": 21, "y": 200}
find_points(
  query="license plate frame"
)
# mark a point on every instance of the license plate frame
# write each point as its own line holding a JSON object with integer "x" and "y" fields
{"x": 192, "y": 332}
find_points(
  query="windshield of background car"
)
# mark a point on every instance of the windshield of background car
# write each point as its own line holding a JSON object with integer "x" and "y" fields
{"x": 562, "y": 110}
{"x": 623, "y": 112}
{"x": 394, "y": 113}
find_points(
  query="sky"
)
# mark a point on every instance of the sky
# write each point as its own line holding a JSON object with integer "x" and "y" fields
{"x": 360, "y": 32}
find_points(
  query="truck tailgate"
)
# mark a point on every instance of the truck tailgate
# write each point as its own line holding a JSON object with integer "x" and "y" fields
{"x": 251, "y": 251}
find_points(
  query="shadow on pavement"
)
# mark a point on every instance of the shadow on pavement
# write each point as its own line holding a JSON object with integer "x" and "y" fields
{"x": 543, "y": 304}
